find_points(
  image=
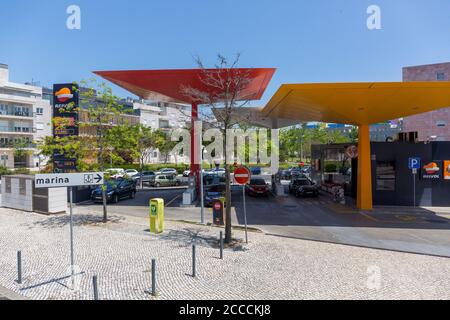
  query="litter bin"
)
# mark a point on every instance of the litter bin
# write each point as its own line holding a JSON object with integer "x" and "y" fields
{"x": 218, "y": 212}
{"x": 156, "y": 215}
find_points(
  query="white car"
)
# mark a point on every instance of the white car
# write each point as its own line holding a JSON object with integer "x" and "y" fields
{"x": 186, "y": 173}
{"x": 116, "y": 172}
{"x": 131, "y": 172}
{"x": 168, "y": 171}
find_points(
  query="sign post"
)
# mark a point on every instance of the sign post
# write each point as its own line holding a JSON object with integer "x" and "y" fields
{"x": 414, "y": 165}
{"x": 242, "y": 176}
{"x": 69, "y": 180}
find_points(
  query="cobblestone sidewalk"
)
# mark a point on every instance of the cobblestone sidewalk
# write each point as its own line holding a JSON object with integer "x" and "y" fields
{"x": 268, "y": 267}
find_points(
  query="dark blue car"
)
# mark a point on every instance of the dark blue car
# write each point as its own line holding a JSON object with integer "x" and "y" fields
{"x": 116, "y": 190}
{"x": 256, "y": 171}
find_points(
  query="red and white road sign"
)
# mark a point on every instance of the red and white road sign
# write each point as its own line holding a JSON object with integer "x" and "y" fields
{"x": 217, "y": 206}
{"x": 242, "y": 175}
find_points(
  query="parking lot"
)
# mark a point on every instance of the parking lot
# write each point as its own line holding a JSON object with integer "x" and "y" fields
{"x": 318, "y": 219}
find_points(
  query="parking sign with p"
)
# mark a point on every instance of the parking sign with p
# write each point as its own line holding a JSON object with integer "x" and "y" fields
{"x": 414, "y": 163}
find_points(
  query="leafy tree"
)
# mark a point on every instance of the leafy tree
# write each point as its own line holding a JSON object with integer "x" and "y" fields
{"x": 221, "y": 110}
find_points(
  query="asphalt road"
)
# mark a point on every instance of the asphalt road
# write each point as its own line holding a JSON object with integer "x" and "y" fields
{"x": 318, "y": 219}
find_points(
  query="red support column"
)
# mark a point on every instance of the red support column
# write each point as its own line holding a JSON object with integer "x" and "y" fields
{"x": 195, "y": 165}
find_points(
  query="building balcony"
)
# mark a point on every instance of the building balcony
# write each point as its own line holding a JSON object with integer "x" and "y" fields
{"x": 17, "y": 130}
{"x": 16, "y": 115}
{"x": 11, "y": 146}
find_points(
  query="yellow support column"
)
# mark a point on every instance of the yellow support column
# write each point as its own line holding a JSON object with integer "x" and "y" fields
{"x": 364, "y": 197}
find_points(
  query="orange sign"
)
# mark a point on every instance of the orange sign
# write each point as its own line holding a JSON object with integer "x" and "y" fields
{"x": 447, "y": 169}
{"x": 64, "y": 95}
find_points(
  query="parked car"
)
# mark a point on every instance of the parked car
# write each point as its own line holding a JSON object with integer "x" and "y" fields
{"x": 257, "y": 187}
{"x": 186, "y": 173}
{"x": 304, "y": 187}
{"x": 256, "y": 171}
{"x": 165, "y": 180}
{"x": 213, "y": 193}
{"x": 131, "y": 172}
{"x": 213, "y": 179}
{"x": 145, "y": 176}
{"x": 307, "y": 169}
{"x": 285, "y": 175}
{"x": 167, "y": 171}
{"x": 115, "y": 172}
{"x": 116, "y": 189}
{"x": 297, "y": 173}
{"x": 295, "y": 181}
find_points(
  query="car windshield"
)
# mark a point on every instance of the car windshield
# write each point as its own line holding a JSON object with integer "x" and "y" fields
{"x": 302, "y": 182}
{"x": 148, "y": 173}
{"x": 258, "y": 182}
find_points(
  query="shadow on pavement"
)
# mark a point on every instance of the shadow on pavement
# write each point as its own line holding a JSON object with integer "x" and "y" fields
{"x": 78, "y": 220}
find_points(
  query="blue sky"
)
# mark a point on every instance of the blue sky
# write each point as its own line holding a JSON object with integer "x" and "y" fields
{"x": 307, "y": 41}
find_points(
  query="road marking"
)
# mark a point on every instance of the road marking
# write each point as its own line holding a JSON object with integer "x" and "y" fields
{"x": 368, "y": 216}
{"x": 171, "y": 201}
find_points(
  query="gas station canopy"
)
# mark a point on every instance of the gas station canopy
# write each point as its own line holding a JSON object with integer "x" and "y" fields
{"x": 356, "y": 103}
{"x": 167, "y": 85}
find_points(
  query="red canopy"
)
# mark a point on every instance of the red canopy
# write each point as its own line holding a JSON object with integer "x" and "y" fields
{"x": 167, "y": 85}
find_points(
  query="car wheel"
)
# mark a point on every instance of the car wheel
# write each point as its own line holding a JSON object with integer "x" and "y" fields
{"x": 158, "y": 185}
{"x": 133, "y": 195}
{"x": 116, "y": 198}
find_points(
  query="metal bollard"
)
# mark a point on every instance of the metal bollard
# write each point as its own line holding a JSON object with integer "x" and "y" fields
{"x": 221, "y": 245}
{"x": 19, "y": 267}
{"x": 95, "y": 285}
{"x": 154, "y": 277}
{"x": 193, "y": 261}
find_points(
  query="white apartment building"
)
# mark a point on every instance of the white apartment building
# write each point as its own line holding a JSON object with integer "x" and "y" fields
{"x": 25, "y": 118}
{"x": 163, "y": 116}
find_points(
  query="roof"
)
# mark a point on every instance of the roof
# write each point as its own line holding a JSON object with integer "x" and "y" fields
{"x": 356, "y": 103}
{"x": 167, "y": 85}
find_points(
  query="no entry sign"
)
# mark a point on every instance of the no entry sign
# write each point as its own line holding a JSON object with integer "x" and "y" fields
{"x": 242, "y": 175}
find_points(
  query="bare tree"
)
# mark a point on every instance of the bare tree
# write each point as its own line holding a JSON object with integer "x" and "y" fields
{"x": 221, "y": 99}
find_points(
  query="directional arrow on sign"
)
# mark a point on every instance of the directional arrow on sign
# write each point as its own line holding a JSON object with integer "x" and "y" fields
{"x": 98, "y": 178}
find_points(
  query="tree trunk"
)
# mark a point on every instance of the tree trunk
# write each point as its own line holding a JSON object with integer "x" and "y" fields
{"x": 105, "y": 211}
{"x": 142, "y": 171}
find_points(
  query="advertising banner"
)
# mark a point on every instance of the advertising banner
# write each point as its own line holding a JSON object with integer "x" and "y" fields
{"x": 447, "y": 169}
{"x": 65, "y": 114}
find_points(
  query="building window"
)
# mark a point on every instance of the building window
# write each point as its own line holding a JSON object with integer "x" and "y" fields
{"x": 441, "y": 123}
{"x": 40, "y": 111}
{"x": 39, "y": 125}
{"x": 440, "y": 76}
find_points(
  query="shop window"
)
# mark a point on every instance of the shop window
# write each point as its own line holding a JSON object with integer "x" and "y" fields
{"x": 385, "y": 176}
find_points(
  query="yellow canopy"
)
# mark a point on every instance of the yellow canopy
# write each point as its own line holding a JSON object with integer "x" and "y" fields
{"x": 357, "y": 103}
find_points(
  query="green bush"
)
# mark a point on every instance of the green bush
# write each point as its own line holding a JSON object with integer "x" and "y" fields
{"x": 331, "y": 167}
{"x": 4, "y": 171}
{"x": 22, "y": 171}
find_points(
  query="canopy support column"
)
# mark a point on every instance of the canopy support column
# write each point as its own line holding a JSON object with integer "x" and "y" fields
{"x": 364, "y": 197}
{"x": 195, "y": 165}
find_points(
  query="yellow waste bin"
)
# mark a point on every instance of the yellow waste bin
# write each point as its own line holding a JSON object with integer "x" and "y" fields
{"x": 156, "y": 215}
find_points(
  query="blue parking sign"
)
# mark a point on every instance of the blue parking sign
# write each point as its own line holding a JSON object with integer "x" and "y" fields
{"x": 414, "y": 163}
